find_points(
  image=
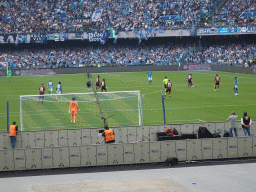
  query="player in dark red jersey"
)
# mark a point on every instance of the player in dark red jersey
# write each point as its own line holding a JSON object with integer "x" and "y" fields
{"x": 97, "y": 82}
{"x": 189, "y": 77}
{"x": 217, "y": 82}
{"x": 168, "y": 88}
{"x": 41, "y": 90}
{"x": 103, "y": 86}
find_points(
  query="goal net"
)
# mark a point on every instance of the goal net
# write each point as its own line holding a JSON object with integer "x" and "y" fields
{"x": 3, "y": 69}
{"x": 122, "y": 108}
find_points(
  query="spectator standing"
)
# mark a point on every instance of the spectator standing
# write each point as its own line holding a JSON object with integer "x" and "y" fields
{"x": 246, "y": 121}
{"x": 13, "y": 132}
{"x": 232, "y": 119}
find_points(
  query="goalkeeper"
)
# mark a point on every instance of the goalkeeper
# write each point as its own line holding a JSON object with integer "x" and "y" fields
{"x": 73, "y": 109}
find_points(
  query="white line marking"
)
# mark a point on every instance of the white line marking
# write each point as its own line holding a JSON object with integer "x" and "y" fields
{"x": 201, "y": 120}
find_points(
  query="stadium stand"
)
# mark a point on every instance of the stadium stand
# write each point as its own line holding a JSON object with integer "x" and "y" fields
{"x": 117, "y": 55}
{"x": 233, "y": 14}
{"x": 76, "y": 15}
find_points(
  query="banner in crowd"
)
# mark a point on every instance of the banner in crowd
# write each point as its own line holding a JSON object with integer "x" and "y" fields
{"x": 33, "y": 72}
{"x": 168, "y": 17}
{"x": 96, "y": 15}
{"x": 95, "y": 36}
{"x": 246, "y": 29}
{"x": 200, "y": 67}
{"x": 249, "y": 14}
{"x": 228, "y": 30}
{"x": 14, "y": 38}
{"x": 104, "y": 37}
{"x": 250, "y": 29}
{"x": 207, "y": 31}
{"x": 38, "y": 38}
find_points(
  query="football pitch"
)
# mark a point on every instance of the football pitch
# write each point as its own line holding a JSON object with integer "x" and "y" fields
{"x": 193, "y": 105}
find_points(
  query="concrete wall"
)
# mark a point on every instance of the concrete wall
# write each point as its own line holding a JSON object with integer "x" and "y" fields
{"x": 134, "y": 145}
{"x": 136, "y": 68}
{"x": 89, "y": 136}
{"x": 129, "y": 153}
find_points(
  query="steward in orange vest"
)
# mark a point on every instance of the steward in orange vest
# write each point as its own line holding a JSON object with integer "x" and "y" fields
{"x": 13, "y": 133}
{"x": 109, "y": 135}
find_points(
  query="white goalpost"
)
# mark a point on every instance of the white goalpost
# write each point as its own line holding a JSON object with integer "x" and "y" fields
{"x": 4, "y": 67}
{"x": 45, "y": 112}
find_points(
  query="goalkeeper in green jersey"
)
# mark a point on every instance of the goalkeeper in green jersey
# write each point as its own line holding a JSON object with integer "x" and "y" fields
{"x": 10, "y": 75}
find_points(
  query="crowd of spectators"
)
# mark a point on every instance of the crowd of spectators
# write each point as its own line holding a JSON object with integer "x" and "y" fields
{"x": 232, "y": 14}
{"x": 29, "y": 16}
{"x": 117, "y": 55}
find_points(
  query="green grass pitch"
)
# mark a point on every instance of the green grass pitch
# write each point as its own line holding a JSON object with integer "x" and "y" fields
{"x": 194, "y": 105}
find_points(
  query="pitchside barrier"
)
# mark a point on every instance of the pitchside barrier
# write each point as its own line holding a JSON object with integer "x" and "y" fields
{"x": 76, "y": 148}
{"x": 126, "y": 153}
{"x": 78, "y": 137}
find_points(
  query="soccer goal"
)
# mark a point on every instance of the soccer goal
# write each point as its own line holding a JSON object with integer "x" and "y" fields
{"x": 3, "y": 69}
{"x": 51, "y": 112}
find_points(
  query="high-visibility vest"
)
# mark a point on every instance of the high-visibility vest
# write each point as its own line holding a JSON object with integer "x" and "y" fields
{"x": 13, "y": 131}
{"x": 109, "y": 135}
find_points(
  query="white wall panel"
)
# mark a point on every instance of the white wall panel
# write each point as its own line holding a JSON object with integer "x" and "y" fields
{"x": 19, "y": 159}
{"x": 74, "y": 157}
{"x": 6, "y": 160}
{"x": 74, "y": 137}
{"x": 47, "y": 158}
{"x": 155, "y": 152}
{"x": 129, "y": 153}
{"x": 88, "y": 155}
{"x": 168, "y": 150}
{"x": 115, "y": 154}
{"x": 33, "y": 158}
{"x": 141, "y": 151}
{"x": 60, "y": 157}
{"x": 245, "y": 146}
{"x": 181, "y": 150}
{"x": 207, "y": 148}
{"x": 194, "y": 149}
{"x": 220, "y": 148}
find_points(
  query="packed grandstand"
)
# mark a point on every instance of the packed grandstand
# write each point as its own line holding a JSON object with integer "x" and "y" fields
{"x": 118, "y": 55}
{"x": 29, "y": 16}
{"x": 22, "y": 21}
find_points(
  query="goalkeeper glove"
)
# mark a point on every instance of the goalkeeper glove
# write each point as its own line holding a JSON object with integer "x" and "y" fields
{"x": 68, "y": 111}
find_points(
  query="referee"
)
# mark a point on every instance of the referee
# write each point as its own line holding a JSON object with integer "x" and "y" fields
{"x": 165, "y": 81}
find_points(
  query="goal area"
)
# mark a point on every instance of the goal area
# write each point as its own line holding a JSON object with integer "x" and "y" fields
{"x": 122, "y": 108}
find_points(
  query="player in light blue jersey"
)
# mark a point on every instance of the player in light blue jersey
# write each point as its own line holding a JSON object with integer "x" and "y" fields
{"x": 58, "y": 91}
{"x": 49, "y": 85}
{"x": 149, "y": 77}
{"x": 236, "y": 86}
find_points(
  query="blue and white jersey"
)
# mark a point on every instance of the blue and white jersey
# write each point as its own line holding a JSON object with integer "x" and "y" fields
{"x": 59, "y": 87}
{"x": 50, "y": 85}
{"x": 236, "y": 81}
{"x": 149, "y": 74}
